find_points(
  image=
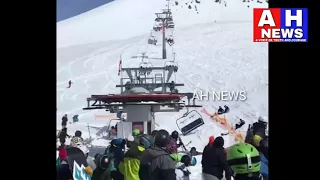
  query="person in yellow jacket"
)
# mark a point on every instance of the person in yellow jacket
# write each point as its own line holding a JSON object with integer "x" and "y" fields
{"x": 130, "y": 165}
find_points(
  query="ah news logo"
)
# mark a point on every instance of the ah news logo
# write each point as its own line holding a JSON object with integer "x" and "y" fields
{"x": 280, "y": 25}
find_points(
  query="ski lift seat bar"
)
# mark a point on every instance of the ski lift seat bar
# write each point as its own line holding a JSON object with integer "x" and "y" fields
{"x": 137, "y": 97}
{"x": 192, "y": 126}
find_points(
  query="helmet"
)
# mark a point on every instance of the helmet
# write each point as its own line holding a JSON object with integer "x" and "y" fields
{"x": 135, "y": 132}
{"x": 145, "y": 141}
{"x": 175, "y": 135}
{"x": 193, "y": 161}
{"x": 78, "y": 133}
{"x": 243, "y": 158}
{"x": 102, "y": 161}
{"x": 154, "y": 132}
{"x": 188, "y": 160}
{"x": 162, "y": 138}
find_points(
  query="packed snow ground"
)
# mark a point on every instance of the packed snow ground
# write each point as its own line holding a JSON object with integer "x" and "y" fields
{"x": 214, "y": 50}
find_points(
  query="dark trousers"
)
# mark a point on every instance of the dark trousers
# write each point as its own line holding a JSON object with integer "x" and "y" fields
{"x": 116, "y": 175}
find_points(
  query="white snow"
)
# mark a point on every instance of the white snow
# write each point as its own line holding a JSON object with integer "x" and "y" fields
{"x": 214, "y": 50}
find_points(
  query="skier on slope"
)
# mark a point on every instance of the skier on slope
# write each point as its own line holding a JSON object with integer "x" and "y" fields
{"x": 173, "y": 146}
{"x": 62, "y": 135}
{"x": 69, "y": 84}
{"x": 64, "y": 121}
{"x": 247, "y": 163}
{"x": 75, "y": 118}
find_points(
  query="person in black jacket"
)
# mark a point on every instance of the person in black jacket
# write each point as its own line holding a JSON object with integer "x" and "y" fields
{"x": 156, "y": 163}
{"x": 62, "y": 136}
{"x": 64, "y": 121}
{"x": 214, "y": 161}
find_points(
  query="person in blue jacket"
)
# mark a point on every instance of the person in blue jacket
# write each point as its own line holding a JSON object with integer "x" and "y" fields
{"x": 116, "y": 152}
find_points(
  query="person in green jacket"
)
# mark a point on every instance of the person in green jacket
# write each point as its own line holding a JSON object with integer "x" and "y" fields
{"x": 130, "y": 165}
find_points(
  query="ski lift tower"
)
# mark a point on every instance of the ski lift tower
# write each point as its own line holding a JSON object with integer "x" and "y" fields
{"x": 141, "y": 97}
{"x": 164, "y": 17}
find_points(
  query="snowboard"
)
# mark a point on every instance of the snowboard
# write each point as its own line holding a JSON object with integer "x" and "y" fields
{"x": 223, "y": 121}
{"x": 77, "y": 162}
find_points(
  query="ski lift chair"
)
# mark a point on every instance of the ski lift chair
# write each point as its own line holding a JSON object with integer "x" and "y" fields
{"x": 189, "y": 122}
{"x": 145, "y": 65}
{"x": 172, "y": 64}
{"x": 156, "y": 28}
{"x": 157, "y": 19}
{"x": 152, "y": 40}
{"x": 170, "y": 24}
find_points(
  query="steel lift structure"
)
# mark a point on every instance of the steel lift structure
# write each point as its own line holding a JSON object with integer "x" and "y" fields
{"x": 146, "y": 90}
{"x": 141, "y": 96}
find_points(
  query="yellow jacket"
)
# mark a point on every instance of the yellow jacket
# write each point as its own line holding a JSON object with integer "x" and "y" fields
{"x": 130, "y": 165}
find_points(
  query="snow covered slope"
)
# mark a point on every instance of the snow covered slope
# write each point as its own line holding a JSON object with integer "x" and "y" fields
{"x": 214, "y": 50}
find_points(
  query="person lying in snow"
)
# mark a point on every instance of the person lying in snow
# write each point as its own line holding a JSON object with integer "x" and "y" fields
{"x": 240, "y": 124}
{"x": 223, "y": 111}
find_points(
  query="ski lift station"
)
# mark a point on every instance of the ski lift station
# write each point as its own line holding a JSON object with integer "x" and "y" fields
{"x": 142, "y": 95}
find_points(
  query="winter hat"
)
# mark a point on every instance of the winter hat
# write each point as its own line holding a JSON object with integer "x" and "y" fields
{"x": 211, "y": 139}
{"x": 218, "y": 142}
{"x": 62, "y": 154}
{"x": 130, "y": 138}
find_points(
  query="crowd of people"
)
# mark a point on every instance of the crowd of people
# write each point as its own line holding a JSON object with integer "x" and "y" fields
{"x": 156, "y": 157}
